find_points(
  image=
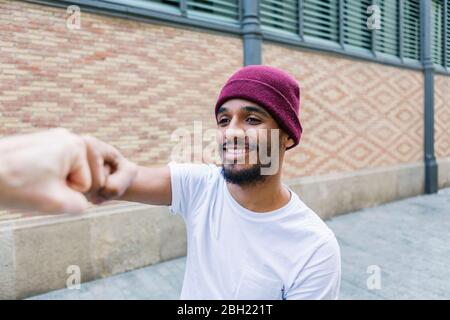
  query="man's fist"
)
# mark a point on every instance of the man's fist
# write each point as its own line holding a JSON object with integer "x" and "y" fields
{"x": 51, "y": 171}
{"x": 111, "y": 173}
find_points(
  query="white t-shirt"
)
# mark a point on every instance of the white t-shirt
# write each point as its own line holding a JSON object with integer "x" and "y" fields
{"x": 235, "y": 253}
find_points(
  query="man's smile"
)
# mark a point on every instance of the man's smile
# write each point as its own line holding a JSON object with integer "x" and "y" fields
{"x": 236, "y": 152}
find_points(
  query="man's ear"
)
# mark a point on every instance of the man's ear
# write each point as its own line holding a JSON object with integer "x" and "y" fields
{"x": 287, "y": 141}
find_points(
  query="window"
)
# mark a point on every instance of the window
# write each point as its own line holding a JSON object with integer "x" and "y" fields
{"x": 280, "y": 14}
{"x": 437, "y": 38}
{"x": 225, "y": 10}
{"x": 388, "y": 36}
{"x": 321, "y": 19}
{"x": 174, "y": 3}
{"x": 228, "y": 9}
{"x": 447, "y": 40}
{"x": 170, "y": 6}
{"x": 356, "y": 33}
{"x": 411, "y": 29}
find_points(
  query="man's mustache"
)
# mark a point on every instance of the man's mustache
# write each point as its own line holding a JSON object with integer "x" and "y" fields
{"x": 232, "y": 145}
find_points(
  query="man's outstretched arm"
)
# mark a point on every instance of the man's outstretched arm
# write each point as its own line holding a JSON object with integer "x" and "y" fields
{"x": 149, "y": 185}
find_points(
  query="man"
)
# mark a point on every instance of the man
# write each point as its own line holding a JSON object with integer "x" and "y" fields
{"x": 249, "y": 235}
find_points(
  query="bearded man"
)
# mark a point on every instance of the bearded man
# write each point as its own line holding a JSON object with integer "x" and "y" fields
{"x": 249, "y": 235}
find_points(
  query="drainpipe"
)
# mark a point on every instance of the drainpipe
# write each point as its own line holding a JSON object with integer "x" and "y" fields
{"x": 431, "y": 169}
{"x": 251, "y": 32}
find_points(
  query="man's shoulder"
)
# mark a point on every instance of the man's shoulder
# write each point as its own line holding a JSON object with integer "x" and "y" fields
{"x": 197, "y": 170}
{"x": 194, "y": 165}
{"x": 190, "y": 182}
{"x": 309, "y": 224}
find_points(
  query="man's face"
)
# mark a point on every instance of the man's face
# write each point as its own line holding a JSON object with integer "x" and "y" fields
{"x": 244, "y": 136}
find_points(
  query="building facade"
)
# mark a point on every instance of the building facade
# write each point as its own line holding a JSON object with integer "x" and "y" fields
{"x": 375, "y": 107}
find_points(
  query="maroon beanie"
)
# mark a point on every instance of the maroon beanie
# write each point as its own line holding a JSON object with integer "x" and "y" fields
{"x": 271, "y": 88}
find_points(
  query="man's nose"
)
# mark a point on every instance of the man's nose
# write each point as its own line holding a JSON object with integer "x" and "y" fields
{"x": 234, "y": 131}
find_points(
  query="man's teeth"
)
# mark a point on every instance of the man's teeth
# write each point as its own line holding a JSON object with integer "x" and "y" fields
{"x": 236, "y": 151}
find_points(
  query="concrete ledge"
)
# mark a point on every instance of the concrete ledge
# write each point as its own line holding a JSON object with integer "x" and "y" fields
{"x": 344, "y": 192}
{"x": 35, "y": 252}
{"x": 443, "y": 173}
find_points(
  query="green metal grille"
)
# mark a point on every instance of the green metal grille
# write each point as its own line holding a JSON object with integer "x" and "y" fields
{"x": 355, "y": 30}
{"x": 222, "y": 8}
{"x": 437, "y": 47}
{"x": 173, "y": 3}
{"x": 321, "y": 19}
{"x": 388, "y": 35}
{"x": 411, "y": 29}
{"x": 280, "y": 14}
{"x": 172, "y": 6}
{"x": 447, "y": 53}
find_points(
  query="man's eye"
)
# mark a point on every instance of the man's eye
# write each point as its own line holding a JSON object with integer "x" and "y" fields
{"x": 223, "y": 121}
{"x": 253, "y": 120}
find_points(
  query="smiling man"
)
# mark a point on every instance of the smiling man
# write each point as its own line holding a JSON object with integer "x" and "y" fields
{"x": 249, "y": 235}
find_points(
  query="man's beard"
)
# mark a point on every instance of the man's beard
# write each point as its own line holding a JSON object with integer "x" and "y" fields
{"x": 243, "y": 177}
{"x": 248, "y": 176}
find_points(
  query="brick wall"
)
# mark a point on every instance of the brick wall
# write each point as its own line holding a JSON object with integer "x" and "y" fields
{"x": 442, "y": 116}
{"x": 355, "y": 114}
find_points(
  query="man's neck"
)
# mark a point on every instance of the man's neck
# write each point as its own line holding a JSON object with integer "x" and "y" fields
{"x": 264, "y": 196}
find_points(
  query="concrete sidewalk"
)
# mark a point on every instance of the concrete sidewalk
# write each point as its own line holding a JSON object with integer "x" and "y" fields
{"x": 408, "y": 240}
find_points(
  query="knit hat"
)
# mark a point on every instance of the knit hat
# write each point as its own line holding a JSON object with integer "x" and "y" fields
{"x": 271, "y": 88}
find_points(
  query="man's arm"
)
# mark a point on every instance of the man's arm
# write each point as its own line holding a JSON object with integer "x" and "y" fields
{"x": 151, "y": 186}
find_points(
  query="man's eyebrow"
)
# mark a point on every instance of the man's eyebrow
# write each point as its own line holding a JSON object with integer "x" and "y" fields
{"x": 247, "y": 109}
{"x": 221, "y": 110}
{"x": 257, "y": 110}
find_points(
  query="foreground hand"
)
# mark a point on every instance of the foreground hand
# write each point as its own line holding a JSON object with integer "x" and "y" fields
{"x": 46, "y": 171}
{"x": 53, "y": 171}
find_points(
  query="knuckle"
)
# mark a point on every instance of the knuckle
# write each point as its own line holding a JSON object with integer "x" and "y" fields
{"x": 88, "y": 138}
{"x": 91, "y": 142}
{"x": 86, "y": 186}
{"x": 111, "y": 191}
